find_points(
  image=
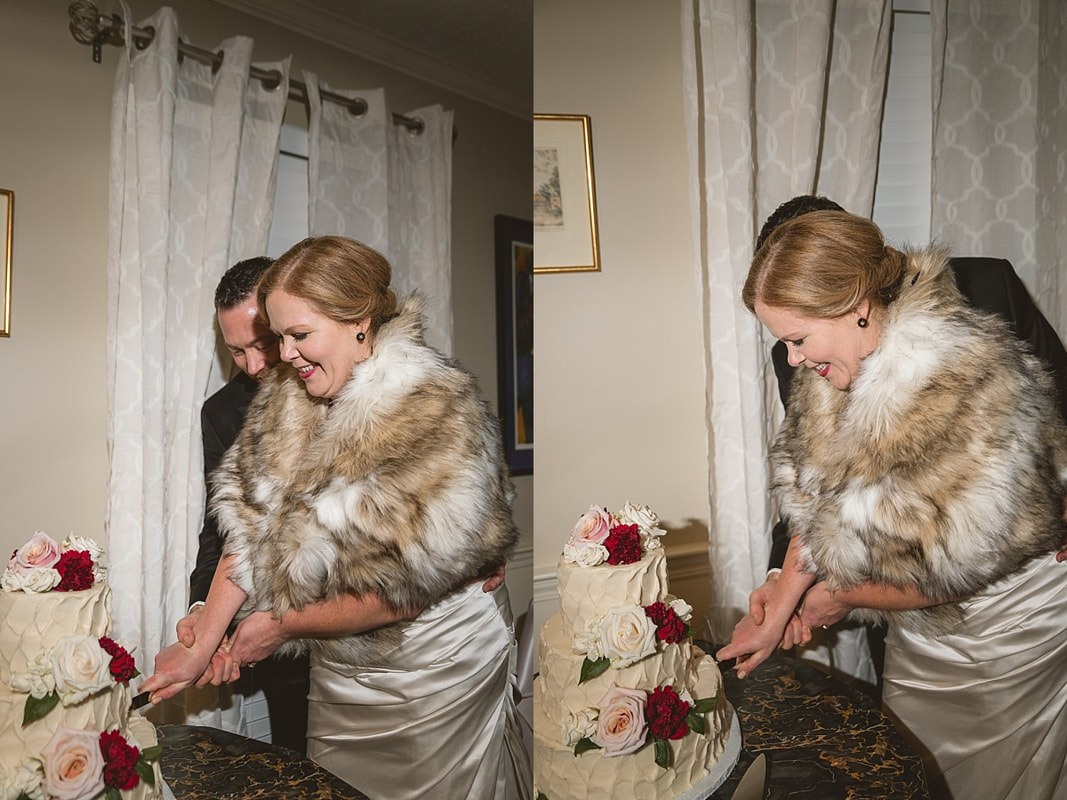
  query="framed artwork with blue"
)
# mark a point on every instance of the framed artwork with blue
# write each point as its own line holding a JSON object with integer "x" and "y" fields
{"x": 514, "y": 319}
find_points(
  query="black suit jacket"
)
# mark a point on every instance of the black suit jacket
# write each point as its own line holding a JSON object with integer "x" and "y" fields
{"x": 221, "y": 418}
{"x": 991, "y": 285}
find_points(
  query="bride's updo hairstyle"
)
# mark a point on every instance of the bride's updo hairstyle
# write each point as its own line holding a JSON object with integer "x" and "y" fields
{"x": 822, "y": 265}
{"x": 343, "y": 279}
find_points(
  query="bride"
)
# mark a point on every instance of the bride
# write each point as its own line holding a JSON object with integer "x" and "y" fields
{"x": 363, "y": 503}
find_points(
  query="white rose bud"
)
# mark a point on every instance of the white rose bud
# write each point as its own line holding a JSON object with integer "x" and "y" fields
{"x": 578, "y": 726}
{"x": 38, "y": 679}
{"x": 29, "y": 779}
{"x": 627, "y": 635}
{"x": 82, "y": 668}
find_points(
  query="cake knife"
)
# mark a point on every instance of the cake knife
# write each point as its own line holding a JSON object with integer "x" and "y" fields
{"x": 140, "y": 700}
{"x": 754, "y": 781}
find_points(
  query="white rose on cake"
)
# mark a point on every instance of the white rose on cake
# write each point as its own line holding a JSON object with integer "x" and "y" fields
{"x": 38, "y": 679}
{"x": 627, "y": 635}
{"x": 591, "y": 555}
{"x": 82, "y": 668}
{"x": 647, "y": 523}
{"x": 578, "y": 726}
{"x": 42, "y": 579}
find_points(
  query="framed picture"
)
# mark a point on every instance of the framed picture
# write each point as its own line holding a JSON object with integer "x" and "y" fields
{"x": 514, "y": 325}
{"x": 564, "y": 200}
{"x": 7, "y": 219}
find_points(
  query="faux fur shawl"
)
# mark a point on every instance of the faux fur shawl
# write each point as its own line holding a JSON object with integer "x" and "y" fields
{"x": 942, "y": 466}
{"x": 401, "y": 489}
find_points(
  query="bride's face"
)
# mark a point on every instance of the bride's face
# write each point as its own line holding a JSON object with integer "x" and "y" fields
{"x": 834, "y": 348}
{"x": 323, "y": 351}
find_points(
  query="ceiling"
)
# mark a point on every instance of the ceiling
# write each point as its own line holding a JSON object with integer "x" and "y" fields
{"x": 482, "y": 49}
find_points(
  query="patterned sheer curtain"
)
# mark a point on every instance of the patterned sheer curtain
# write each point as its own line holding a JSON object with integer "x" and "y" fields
{"x": 782, "y": 98}
{"x": 389, "y": 187}
{"x": 193, "y": 166}
{"x": 1000, "y": 138}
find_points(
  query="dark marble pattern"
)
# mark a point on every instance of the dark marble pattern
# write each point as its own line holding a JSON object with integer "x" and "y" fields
{"x": 208, "y": 764}
{"x": 823, "y": 740}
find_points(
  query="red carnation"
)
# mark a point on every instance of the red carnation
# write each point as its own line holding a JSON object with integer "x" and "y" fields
{"x": 120, "y": 759}
{"x": 623, "y": 545}
{"x": 75, "y": 568}
{"x": 122, "y": 666}
{"x": 669, "y": 626}
{"x": 666, "y": 714}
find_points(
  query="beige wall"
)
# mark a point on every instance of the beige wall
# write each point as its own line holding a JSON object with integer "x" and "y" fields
{"x": 620, "y": 390}
{"x": 54, "y": 139}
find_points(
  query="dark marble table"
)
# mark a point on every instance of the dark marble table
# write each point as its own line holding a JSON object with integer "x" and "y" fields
{"x": 823, "y": 740}
{"x": 209, "y": 764}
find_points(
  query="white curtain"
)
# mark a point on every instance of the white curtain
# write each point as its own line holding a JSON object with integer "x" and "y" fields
{"x": 782, "y": 98}
{"x": 1000, "y": 138}
{"x": 389, "y": 187}
{"x": 193, "y": 165}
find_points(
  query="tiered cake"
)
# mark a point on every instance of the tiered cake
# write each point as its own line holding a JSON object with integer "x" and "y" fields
{"x": 625, "y": 705}
{"x": 66, "y": 728}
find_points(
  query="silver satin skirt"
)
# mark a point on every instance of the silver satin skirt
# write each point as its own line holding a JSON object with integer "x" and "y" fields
{"x": 436, "y": 718}
{"x": 987, "y": 703}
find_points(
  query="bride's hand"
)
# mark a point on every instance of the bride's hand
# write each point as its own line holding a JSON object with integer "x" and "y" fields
{"x": 176, "y": 668}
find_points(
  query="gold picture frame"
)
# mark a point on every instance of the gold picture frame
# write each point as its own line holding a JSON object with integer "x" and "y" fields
{"x": 564, "y": 198}
{"x": 7, "y": 216}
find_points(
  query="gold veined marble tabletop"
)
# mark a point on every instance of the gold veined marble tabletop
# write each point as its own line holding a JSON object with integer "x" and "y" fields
{"x": 200, "y": 763}
{"x": 824, "y": 740}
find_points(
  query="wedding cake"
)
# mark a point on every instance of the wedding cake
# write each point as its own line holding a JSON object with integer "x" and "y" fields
{"x": 625, "y": 705}
{"x": 66, "y": 728}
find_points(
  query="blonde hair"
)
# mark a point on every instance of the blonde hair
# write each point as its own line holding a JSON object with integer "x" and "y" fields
{"x": 341, "y": 278}
{"x": 822, "y": 265}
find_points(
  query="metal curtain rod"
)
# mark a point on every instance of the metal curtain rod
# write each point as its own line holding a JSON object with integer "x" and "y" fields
{"x": 90, "y": 27}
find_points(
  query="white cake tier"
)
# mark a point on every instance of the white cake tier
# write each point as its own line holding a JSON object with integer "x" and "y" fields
{"x": 106, "y": 711}
{"x": 561, "y": 668}
{"x": 560, "y": 775}
{"x": 31, "y": 623}
{"x": 587, "y": 592}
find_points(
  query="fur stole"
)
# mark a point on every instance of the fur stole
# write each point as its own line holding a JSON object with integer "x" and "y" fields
{"x": 401, "y": 489}
{"x": 942, "y": 466}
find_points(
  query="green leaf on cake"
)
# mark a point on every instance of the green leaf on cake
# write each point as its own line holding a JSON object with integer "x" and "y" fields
{"x": 705, "y": 705}
{"x": 541, "y": 796}
{"x": 584, "y": 745}
{"x": 695, "y": 721}
{"x": 591, "y": 669}
{"x": 152, "y": 753}
{"x": 111, "y": 793}
{"x": 663, "y": 753}
{"x": 144, "y": 769}
{"x": 37, "y": 707}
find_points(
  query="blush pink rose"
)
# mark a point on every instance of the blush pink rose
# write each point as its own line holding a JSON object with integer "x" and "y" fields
{"x": 592, "y": 527}
{"x": 40, "y": 552}
{"x": 73, "y": 765}
{"x": 621, "y": 728}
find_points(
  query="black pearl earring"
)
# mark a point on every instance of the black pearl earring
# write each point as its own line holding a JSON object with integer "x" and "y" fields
{"x": 361, "y": 336}
{"x": 862, "y": 322}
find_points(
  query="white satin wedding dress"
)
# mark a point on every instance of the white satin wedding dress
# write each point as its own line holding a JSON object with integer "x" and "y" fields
{"x": 436, "y": 718}
{"x": 988, "y": 702}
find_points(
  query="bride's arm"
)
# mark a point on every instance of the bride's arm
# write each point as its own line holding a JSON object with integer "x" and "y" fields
{"x": 753, "y": 641}
{"x": 261, "y": 633}
{"x": 178, "y": 666}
